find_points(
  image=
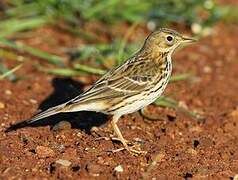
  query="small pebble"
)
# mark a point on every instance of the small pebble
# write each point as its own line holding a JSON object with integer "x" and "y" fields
{"x": 192, "y": 151}
{"x": 94, "y": 129}
{"x": 79, "y": 134}
{"x": 196, "y": 28}
{"x": 62, "y": 125}
{"x": 90, "y": 149}
{"x": 100, "y": 160}
{"x": 133, "y": 127}
{"x": 182, "y": 104}
{"x": 207, "y": 69}
{"x": 20, "y": 58}
{"x": 34, "y": 169}
{"x": 94, "y": 169}
{"x": 118, "y": 168}
{"x": 151, "y": 25}
{"x": 234, "y": 113}
{"x": 5, "y": 117}
{"x": 63, "y": 162}
{"x": 8, "y": 92}
{"x": 44, "y": 152}
{"x": 33, "y": 101}
{"x": 2, "y": 106}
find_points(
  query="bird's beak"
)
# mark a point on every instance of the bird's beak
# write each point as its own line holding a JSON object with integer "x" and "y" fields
{"x": 188, "y": 40}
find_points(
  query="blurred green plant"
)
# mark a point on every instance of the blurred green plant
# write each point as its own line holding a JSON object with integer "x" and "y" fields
{"x": 231, "y": 14}
{"x": 168, "y": 102}
{"x": 21, "y": 15}
{"x": 50, "y": 58}
{"x": 8, "y": 73}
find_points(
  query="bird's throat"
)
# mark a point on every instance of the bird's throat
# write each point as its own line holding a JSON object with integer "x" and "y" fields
{"x": 159, "y": 58}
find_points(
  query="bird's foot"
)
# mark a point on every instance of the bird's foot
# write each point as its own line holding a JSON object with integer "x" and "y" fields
{"x": 134, "y": 150}
{"x": 130, "y": 147}
{"x": 111, "y": 139}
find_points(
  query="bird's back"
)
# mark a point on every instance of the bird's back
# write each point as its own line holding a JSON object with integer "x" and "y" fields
{"x": 136, "y": 78}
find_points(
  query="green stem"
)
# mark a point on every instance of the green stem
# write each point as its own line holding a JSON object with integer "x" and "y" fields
{"x": 84, "y": 68}
{"x": 179, "y": 77}
{"x": 53, "y": 59}
{"x": 124, "y": 42}
{"x": 60, "y": 71}
{"x": 10, "y": 72}
{"x": 168, "y": 102}
{"x": 13, "y": 25}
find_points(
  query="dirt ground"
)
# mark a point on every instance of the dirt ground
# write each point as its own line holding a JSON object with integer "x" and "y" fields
{"x": 178, "y": 146}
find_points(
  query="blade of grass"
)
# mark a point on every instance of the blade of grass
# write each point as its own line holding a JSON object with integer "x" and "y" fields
{"x": 88, "y": 69}
{"x": 179, "y": 77}
{"x": 171, "y": 103}
{"x": 53, "y": 59}
{"x": 11, "y": 26}
{"x": 11, "y": 55}
{"x": 22, "y": 10}
{"x": 60, "y": 71}
{"x": 124, "y": 42}
{"x": 79, "y": 32}
{"x": 9, "y": 73}
{"x": 166, "y": 102}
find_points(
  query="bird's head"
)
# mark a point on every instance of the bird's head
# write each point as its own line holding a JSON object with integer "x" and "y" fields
{"x": 166, "y": 40}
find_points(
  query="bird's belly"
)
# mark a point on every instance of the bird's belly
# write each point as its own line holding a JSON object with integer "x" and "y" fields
{"x": 138, "y": 102}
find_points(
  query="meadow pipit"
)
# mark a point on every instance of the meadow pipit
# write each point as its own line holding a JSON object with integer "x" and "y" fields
{"x": 131, "y": 86}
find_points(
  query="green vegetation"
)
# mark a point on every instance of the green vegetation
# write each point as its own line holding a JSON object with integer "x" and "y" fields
{"x": 25, "y": 14}
{"x": 18, "y": 17}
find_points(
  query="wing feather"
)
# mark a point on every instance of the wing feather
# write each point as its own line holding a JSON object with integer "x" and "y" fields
{"x": 128, "y": 79}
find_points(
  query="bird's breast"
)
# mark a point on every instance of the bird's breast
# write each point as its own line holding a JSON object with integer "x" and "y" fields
{"x": 161, "y": 81}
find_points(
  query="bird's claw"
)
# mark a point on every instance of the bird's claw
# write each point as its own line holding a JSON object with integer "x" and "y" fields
{"x": 130, "y": 149}
{"x": 127, "y": 147}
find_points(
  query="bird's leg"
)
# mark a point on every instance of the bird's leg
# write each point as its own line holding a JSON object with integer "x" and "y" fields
{"x": 118, "y": 132}
{"x": 120, "y": 137}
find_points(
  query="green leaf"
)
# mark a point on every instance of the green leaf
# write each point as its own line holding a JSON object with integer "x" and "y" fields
{"x": 50, "y": 58}
{"x": 88, "y": 69}
{"x": 13, "y": 25}
{"x": 60, "y": 72}
{"x": 6, "y": 73}
{"x": 180, "y": 77}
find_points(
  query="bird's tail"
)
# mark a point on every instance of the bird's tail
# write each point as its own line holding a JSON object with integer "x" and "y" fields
{"x": 49, "y": 112}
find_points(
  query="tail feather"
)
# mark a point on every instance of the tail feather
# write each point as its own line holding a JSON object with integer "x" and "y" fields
{"x": 44, "y": 114}
{"x": 49, "y": 112}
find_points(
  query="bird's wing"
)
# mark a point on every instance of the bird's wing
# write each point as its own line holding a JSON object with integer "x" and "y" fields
{"x": 128, "y": 79}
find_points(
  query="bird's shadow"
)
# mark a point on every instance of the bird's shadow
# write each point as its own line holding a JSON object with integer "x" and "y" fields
{"x": 64, "y": 90}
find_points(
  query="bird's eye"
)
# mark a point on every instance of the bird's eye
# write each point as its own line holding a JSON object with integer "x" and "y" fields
{"x": 169, "y": 38}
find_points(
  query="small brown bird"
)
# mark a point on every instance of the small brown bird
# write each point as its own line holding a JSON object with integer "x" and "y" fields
{"x": 131, "y": 86}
